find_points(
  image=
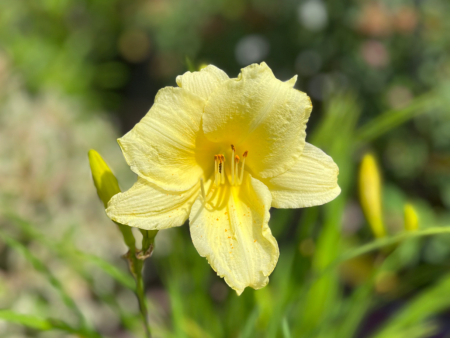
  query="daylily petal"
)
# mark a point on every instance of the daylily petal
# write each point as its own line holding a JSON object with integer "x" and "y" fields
{"x": 147, "y": 207}
{"x": 311, "y": 181}
{"x": 232, "y": 232}
{"x": 261, "y": 114}
{"x": 204, "y": 82}
{"x": 161, "y": 148}
{"x": 292, "y": 81}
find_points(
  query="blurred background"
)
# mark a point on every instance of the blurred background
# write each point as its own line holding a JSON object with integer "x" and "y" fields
{"x": 78, "y": 74}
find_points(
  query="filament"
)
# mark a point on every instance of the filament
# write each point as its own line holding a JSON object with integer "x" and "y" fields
{"x": 232, "y": 165}
{"x": 222, "y": 169}
{"x": 203, "y": 189}
{"x": 242, "y": 167}
{"x": 216, "y": 170}
{"x": 236, "y": 159}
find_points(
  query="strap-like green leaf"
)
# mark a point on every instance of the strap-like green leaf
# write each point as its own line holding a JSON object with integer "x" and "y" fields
{"x": 42, "y": 268}
{"x": 44, "y": 324}
{"x": 66, "y": 251}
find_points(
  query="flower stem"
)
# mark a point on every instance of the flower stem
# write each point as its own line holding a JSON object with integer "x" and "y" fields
{"x": 135, "y": 264}
{"x": 140, "y": 293}
{"x": 135, "y": 259}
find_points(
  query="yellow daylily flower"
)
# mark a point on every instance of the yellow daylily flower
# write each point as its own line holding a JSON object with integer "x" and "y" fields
{"x": 221, "y": 152}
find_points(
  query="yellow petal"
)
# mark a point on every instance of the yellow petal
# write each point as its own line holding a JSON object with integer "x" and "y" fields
{"x": 232, "y": 232}
{"x": 311, "y": 181}
{"x": 204, "y": 82}
{"x": 147, "y": 207}
{"x": 261, "y": 114}
{"x": 292, "y": 81}
{"x": 161, "y": 147}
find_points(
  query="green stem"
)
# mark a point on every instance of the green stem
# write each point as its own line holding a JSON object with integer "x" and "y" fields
{"x": 135, "y": 259}
{"x": 148, "y": 240}
{"x": 135, "y": 264}
{"x": 140, "y": 293}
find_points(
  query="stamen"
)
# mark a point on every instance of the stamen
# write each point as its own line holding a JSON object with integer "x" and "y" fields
{"x": 222, "y": 169}
{"x": 236, "y": 159}
{"x": 232, "y": 164}
{"x": 216, "y": 169}
{"x": 242, "y": 167}
{"x": 203, "y": 189}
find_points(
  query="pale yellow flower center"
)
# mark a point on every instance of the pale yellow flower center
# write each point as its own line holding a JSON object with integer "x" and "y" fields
{"x": 236, "y": 170}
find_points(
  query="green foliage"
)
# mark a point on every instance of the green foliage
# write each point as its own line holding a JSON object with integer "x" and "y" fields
{"x": 377, "y": 74}
{"x": 305, "y": 297}
{"x": 44, "y": 324}
{"x": 42, "y": 268}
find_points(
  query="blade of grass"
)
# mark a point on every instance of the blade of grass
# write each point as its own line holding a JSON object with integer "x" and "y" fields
{"x": 377, "y": 245}
{"x": 44, "y": 324}
{"x": 393, "y": 118}
{"x": 285, "y": 329}
{"x": 386, "y": 242}
{"x": 73, "y": 257}
{"x": 356, "y": 308}
{"x": 119, "y": 275}
{"x": 319, "y": 295}
{"x": 42, "y": 268}
{"x": 249, "y": 326}
{"x": 177, "y": 308}
{"x": 425, "y": 305}
{"x": 66, "y": 251}
{"x": 282, "y": 286}
{"x": 373, "y": 246}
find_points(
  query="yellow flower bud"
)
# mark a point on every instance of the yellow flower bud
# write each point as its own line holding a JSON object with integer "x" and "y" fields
{"x": 104, "y": 180}
{"x": 107, "y": 186}
{"x": 370, "y": 194}
{"x": 203, "y": 65}
{"x": 411, "y": 218}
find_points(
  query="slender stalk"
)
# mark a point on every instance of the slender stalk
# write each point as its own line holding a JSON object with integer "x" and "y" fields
{"x": 135, "y": 259}
{"x": 140, "y": 293}
{"x": 148, "y": 240}
{"x": 135, "y": 264}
